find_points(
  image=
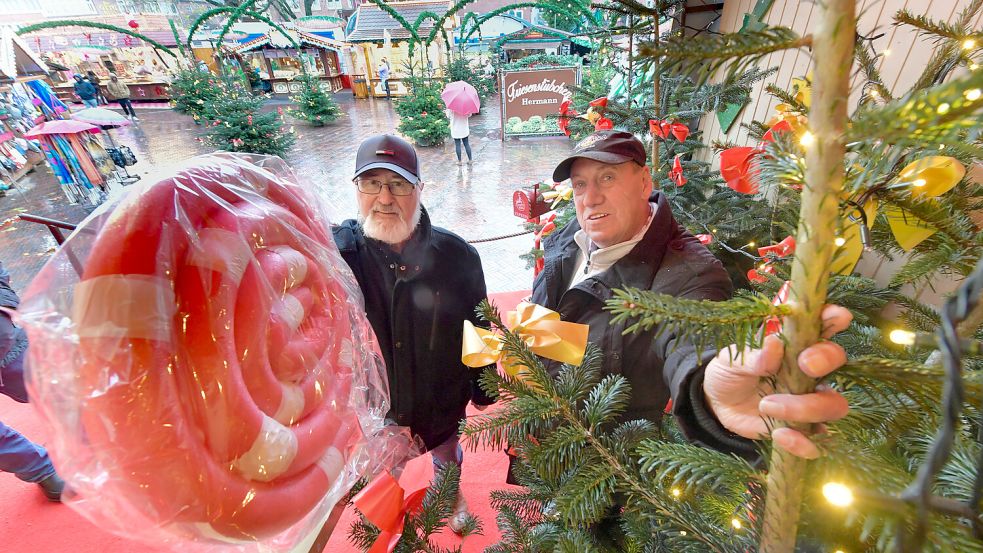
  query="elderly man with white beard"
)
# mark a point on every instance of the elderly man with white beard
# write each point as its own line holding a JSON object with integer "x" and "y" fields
{"x": 420, "y": 284}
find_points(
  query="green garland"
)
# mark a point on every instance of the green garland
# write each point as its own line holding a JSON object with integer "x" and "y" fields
{"x": 543, "y": 59}
{"x": 543, "y": 5}
{"x": 177, "y": 39}
{"x": 399, "y": 19}
{"x": 321, "y": 18}
{"x": 212, "y": 13}
{"x": 94, "y": 25}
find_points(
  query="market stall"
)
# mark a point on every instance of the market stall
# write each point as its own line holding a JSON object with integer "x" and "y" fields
{"x": 138, "y": 64}
{"x": 272, "y": 57}
{"x": 20, "y": 108}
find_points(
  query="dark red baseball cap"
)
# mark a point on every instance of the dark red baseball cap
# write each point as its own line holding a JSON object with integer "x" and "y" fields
{"x": 386, "y": 151}
{"x": 612, "y": 147}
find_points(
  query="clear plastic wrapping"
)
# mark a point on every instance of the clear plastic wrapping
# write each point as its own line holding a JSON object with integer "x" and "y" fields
{"x": 201, "y": 350}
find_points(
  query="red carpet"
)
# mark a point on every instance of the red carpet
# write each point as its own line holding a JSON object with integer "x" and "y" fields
{"x": 30, "y": 523}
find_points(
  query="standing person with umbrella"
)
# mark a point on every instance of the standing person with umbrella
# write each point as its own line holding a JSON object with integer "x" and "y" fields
{"x": 462, "y": 100}
{"x": 121, "y": 93}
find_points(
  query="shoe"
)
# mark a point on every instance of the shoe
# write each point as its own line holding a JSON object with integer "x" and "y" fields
{"x": 52, "y": 487}
{"x": 460, "y": 515}
{"x": 459, "y": 163}
{"x": 135, "y": 118}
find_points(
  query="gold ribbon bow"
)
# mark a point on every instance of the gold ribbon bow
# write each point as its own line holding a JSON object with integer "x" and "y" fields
{"x": 540, "y": 328}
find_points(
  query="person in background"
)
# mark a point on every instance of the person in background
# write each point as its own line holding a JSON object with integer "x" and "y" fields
{"x": 420, "y": 283}
{"x": 384, "y": 77}
{"x": 121, "y": 93}
{"x": 86, "y": 92}
{"x": 94, "y": 79}
{"x": 460, "y": 130}
{"x": 18, "y": 455}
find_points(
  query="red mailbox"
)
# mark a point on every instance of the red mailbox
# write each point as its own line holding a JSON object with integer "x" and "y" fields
{"x": 529, "y": 204}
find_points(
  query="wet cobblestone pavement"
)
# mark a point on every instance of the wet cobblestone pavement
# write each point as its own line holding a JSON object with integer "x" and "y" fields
{"x": 473, "y": 201}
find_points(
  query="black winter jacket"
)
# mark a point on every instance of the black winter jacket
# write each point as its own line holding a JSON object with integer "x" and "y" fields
{"x": 668, "y": 260}
{"x": 438, "y": 283}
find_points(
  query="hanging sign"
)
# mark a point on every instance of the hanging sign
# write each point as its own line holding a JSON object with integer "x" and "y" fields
{"x": 529, "y": 96}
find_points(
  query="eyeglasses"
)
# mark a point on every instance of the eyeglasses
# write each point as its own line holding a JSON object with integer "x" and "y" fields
{"x": 397, "y": 187}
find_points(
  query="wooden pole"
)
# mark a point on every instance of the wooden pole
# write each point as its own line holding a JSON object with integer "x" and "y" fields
{"x": 656, "y": 63}
{"x": 833, "y": 41}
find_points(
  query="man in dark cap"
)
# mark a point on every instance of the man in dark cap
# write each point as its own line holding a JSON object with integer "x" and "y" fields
{"x": 420, "y": 284}
{"x": 625, "y": 236}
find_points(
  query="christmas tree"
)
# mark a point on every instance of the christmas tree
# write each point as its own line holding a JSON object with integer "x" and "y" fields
{"x": 421, "y": 113}
{"x": 238, "y": 124}
{"x": 460, "y": 69}
{"x": 193, "y": 91}
{"x": 875, "y": 180}
{"x": 313, "y": 104}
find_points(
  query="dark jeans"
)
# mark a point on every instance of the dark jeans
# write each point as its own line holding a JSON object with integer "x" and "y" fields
{"x": 27, "y": 460}
{"x": 457, "y": 147}
{"x": 385, "y": 85}
{"x": 127, "y": 106}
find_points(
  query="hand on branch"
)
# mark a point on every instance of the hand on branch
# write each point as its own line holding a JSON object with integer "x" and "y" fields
{"x": 738, "y": 390}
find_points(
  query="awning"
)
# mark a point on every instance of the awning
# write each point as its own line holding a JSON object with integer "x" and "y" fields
{"x": 531, "y": 44}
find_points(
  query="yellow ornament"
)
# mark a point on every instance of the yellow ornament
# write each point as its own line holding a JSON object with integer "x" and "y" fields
{"x": 591, "y": 116}
{"x": 849, "y": 248}
{"x": 908, "y": 230}
{"x": 803, "y": 90}
{"x": 932, "y": 176}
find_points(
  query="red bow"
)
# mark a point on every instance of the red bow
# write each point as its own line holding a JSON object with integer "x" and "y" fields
{"x": 565, "y": 114}
{"x": 133, "y": 24}
{"x": 779, "y": 127}
{"x": 676, "y": 174}
{"x": 663, "y": 128}
{"x": 603, "y": 124}
{"x": 601, "y": 102}
{"x": 385, "y": 503}
{"x": 737, "y": 167}
{"x": 782, "y": 249}
{"x": 774, "y": 324}
{"x": 757, "y": 275}
{"x": 705, "y": 239}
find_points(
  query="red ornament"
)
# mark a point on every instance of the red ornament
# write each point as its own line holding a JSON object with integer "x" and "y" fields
{"x": 133, "y": 24}
{"x": 676, "y": 174}
{"x": 249, "y": 119}
{"x": 424, "y": 114}
{"x": 705, "y": 239}
{"x": 780, "y": 127}
{"x": 603, "y": 124}
{"x": 601, "y": 102}
{"x": 663, "y": 128}
{"x": 757, "y": 275}
{"x": 88, "y": 36}
{"x": 784, "y": 248}
{"x": 738, "y": 169}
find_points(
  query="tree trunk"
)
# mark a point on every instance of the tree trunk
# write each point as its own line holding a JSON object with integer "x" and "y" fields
{"x": 833, "y": 41}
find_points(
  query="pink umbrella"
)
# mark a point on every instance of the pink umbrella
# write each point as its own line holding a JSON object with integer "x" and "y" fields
{"x": 461, "y": 97}
{"x": 61, "y": 126}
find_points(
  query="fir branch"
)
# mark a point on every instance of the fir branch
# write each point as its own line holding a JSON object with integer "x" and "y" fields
{"x": 585, "y": 498}
{"x": 736, "y": 50}
{"x": 607, "y": 400}
{"x": 718, "y": 323}
{"x": 892, "y": 380}
{"x": 924, "y": 118}
{"x": 694, "y": 466}
{"x": 939, "y": 29}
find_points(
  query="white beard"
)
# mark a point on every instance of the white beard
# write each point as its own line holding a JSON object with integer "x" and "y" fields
{"x": 390, "y": 232}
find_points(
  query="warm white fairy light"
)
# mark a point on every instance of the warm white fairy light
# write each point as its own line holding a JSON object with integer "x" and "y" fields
{"x": 676, "y": 492}
{"x": 682, "y": 532}
{"x": 807, "y": 139}
{"x": 887, "y": 51}
{"x": 839, "y": 241}
{"x": 974, "y": 66}
{"x": 942, "y": 109}
{"x": 838, "y": 494}
{"x": 919, "y": 182}
{"x": 902, "y": 337}
{"x": 973, "y": 94}
{"x": 969, "y": 44}
{"x": 750, "y": 244}
{"x": 736, "y": 523}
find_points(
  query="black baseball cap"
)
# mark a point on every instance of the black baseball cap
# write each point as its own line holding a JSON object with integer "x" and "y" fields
{"x": 612, "y": 147}
{"x": 386, "y": 151}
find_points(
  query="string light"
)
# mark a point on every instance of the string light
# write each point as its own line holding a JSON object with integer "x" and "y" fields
{"x": 919, "y": 182}
{"x": 969, "y": 44}
{"x": 973, "y": 95}
{"x": 807, "y": 139}
{"x": 839, "y": 241}
{"x": 735, "y": 523}
{"x": 682, "y": 532}
{"x": 750, "y": 244}
{"x": 676, "y": 492}
{"x": 887, "y": 52}
{"x": 838, "y": 494}
{"x": 839, "y": 551}
{"x": 974, "y": 66}
{"x": 902, "y": 338}
{"x": 874, "y": 94}
{"x": 942, "y": 109}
